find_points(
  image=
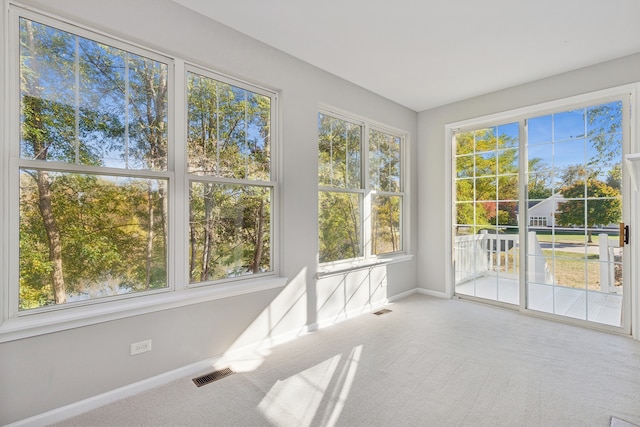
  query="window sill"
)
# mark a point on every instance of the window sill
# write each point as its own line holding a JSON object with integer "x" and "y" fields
{"x": 342, "y": 268}
{"x": 60, "y": 320}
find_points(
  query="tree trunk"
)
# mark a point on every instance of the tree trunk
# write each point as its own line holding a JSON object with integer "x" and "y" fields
{"x": 164, "y": 220}
{"x": 394, "y": 243}
{"x": 53, "y": 235}
{"x": 208, "y": 231}
{"x": 192, "y": 244}
{"x": 355, "y": 237}
{"x": 147, "y": 282}
{"x": 257, "y": 253}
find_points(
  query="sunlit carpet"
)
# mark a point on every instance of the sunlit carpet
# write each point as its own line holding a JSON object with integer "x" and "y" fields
{"x": 429, "y": 362}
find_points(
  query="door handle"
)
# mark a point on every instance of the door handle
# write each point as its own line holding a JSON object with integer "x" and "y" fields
{"x": 624, "y": 234}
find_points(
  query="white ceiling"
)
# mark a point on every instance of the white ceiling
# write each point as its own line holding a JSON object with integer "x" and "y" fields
{"x": 427, "y": 53}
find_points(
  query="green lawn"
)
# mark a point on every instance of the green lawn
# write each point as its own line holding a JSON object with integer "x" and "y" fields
{"x": 569, "y": 269}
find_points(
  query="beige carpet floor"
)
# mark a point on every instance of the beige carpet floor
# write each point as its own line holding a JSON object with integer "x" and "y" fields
{"x": 429, "y": 362}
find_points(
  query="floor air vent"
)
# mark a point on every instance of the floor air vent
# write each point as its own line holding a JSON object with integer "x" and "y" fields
{"x": 383, "y": 311}
{"x": 212, "y": 376}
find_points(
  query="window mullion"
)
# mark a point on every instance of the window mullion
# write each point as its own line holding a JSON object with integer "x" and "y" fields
{"x": 77, "y": 99}
{"x": 126, "y": 110}
{"x": 179, "y": 186}
{"x": 217, "y": 166}
{"x": 366, "y": 219}
{"x": 246, "y": 134}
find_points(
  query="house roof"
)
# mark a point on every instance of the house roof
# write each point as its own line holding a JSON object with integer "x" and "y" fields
{"x": 550, "y": 203}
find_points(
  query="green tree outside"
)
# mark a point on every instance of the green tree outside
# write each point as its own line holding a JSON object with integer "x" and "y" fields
{"x": 589, "y": 203}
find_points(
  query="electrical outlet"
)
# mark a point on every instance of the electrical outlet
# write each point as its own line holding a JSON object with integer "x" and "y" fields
{"x": 140, "y": 347}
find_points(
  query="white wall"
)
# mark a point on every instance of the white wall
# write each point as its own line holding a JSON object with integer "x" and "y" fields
{"x": 42, "y": 373}
{"x": 432, "y": 209}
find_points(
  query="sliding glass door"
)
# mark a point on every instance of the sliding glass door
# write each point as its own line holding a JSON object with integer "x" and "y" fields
{"x": 575, "y": 205}
{"x": 537, "y": 205}
{"x": 486, "y": 213}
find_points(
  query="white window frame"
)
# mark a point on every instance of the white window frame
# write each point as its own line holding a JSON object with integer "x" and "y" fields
{"x": 368, "y": 258}
{"x": 17, "y": 325}
{"x": 273, "y": 172}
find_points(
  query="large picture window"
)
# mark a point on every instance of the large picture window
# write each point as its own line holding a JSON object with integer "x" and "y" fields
{"x": 93, "y": 169}
{"x": 114, "y": 187}
{"x": 360, "y": 194}
{"x": 229, "y": 166}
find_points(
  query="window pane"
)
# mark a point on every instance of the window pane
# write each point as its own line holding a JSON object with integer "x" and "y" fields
{"x": 384, "y": 161}
{"x": 508, "y": 161}
{"x": 568, "y": 153}
{"x": 230, "y": 231}
{"x": 485, "y": 140}
{"x": 507, "y": 214}
{"x": 229, "y": 130}
{"x": 464, "y": 166}
{"x": 464, "y": 215}
{"x": 386, "y": 224}
{"x": 486, "y": 189}
{"x": 486, "y": 163}
{"x": 508, "y": 187}
{"x": 89, "y": 103}
{"x": 102, "y": 90}
{"x": 148, "y": 102}
{"x": 604, "y": 132}
{"x": 339, "y": 226}
{"x": 89, "y": 236}
{"x": 540, "y": 157}
{"x": 540, "y": 186}
{"x": 47, "y": 58}
{"x": 464, "y": 190}
{"x": 464, "y": 143}
{"x": 340, "y": 145}
{"x": 539, "y": 130}
{"x": 568, "y": 125}
{"x": 508, "y": 135}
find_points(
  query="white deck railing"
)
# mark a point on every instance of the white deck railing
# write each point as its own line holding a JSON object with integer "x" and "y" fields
{"x": 477, "y": 254}
{"x": 538, "y": 270}
{"x": 609, "y": 250}
{"x": 480, "y": 254}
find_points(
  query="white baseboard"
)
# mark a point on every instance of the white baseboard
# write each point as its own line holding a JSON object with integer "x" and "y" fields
{"x": 401, "y": 295}
{"x": 433, "y": 293}
{"x": 94, "y": 402}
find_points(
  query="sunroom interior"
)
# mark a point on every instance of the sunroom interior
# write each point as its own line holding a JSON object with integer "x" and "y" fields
{"x": 361, "y": 125}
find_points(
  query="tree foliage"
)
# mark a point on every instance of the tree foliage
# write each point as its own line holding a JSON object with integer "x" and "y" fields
{"x": 487, "y": 179}
{"x": 589, "y": 203}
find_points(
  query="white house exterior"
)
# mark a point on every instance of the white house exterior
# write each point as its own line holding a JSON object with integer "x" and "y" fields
{"x": 542, "y": 214}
